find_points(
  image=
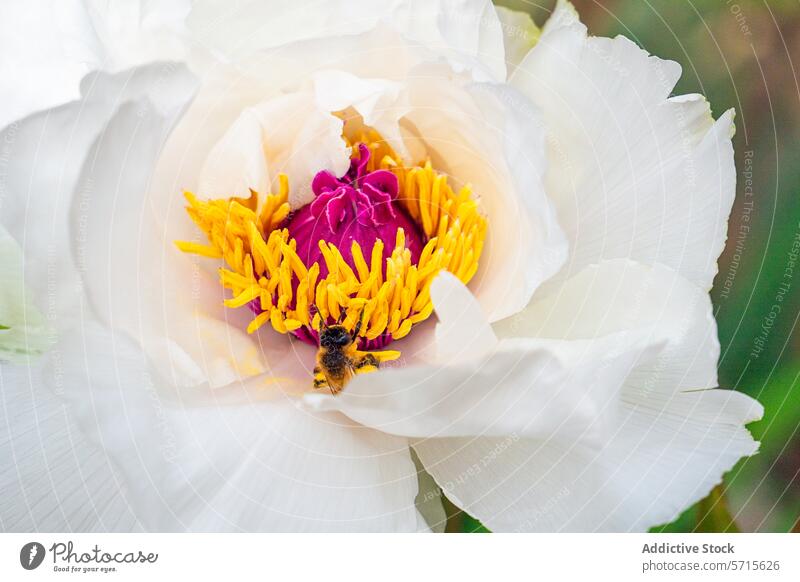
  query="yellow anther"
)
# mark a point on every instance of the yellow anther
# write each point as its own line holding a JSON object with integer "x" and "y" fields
{"x": 376, "y": 264}
{"x": 266, "y": 300}
{"x": 334, "y": 302}
{"x": 361, "y": 264}
{"x": 387, "y": 294}
{"x": 380, "y": 324}
{"x": 322, "y": 298}
{"x": 403, "y": 330}
{"x": 244, "y": 297}
{"x": 277, "y": 321}
{"x": 383, "y": 356}
{"x": 198, "y": 249}
{"x": 260, "y": 320}
{"x": 292, "y": 324}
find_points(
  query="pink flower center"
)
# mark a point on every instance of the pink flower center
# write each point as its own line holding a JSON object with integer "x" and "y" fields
{"x": 360, "y": 206}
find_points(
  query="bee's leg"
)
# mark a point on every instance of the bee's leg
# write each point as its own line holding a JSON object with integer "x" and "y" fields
{"x": 367, "y": 360}
{"x": 357, "y": 328}
{"x": 321, "y": 323}
{"x": 320, "y": 381}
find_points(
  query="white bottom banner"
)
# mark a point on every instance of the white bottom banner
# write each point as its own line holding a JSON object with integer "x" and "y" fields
{"x": 354, "y": 557}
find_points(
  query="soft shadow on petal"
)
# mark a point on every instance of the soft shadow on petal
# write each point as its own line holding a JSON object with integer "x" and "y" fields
{"x": 632, "y": 172}
{"x": 429, "y": 501}
{"x": 491, "y": 137}
{"x": 256, "y": 463}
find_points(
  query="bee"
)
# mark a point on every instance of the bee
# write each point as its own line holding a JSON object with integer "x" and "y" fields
{"x": 339, "y": 359}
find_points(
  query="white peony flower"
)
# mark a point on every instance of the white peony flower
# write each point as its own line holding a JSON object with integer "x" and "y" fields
{"x": 545, "y": 304}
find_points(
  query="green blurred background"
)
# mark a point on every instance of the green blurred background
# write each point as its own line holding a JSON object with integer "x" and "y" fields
{"x": 739, "y": 54}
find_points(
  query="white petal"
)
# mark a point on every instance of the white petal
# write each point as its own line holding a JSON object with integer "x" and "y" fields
{"x": 620, "y": 295}
{"x": 288, "y": 134}
{"x": 520, "y": 34}
{"x": 34, "y": 75}
{"x": 490, "y": 136}
{"x": 52, "y": 478}
{"x": 124, "y": 33}
{"x": 670, "y": 439}
{"x": 338, "y": 90}
{"x": 24, "y": 333}
{"x": 220, "y": 101}
{"x": 48, "y": 152}
{"x": 121, "y": 253}
{"x": 380, "y": 102}
{"x": 46, "y": 48}
{"x": 207, "y": 464}
{"x": 632, "y": 172}
{"x": 463, "y": 331}
{"x": 467, "y": 33}
{"x": 538, "y": 388}
{"x": 660, "y": 460}
{"x": 236, "y": 164}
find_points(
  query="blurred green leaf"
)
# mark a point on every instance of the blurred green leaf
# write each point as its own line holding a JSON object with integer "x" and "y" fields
{"x": 773, "y": 475}
{"x": 708, "y": 515}
{"x": 713, "y": 515}
{"x": 472, "y": 525}
{"x": 459, "y": 521}
{"x": 683, "y": 524}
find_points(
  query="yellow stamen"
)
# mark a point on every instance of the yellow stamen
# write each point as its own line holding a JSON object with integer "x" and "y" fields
{"x": 388, "y": 296}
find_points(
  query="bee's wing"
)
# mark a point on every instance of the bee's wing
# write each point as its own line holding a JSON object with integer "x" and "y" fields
{"x": 350, "y": 371}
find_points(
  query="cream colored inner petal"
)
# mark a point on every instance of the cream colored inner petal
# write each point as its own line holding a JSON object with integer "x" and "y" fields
{"x": 288, "y": 135}
{"x": 479, "y": 137}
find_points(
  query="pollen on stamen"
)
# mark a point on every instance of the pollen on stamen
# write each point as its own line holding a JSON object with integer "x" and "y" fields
{"x": 366, "y": 249}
